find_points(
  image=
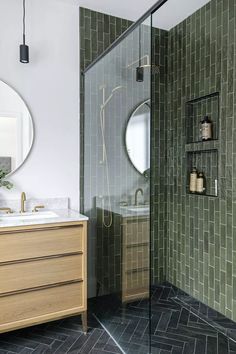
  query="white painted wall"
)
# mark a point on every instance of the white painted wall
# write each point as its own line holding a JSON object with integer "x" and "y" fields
{"x": 49, "y": 85}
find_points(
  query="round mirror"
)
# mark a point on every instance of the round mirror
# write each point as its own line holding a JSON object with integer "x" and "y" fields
{"x": 16, "y": 129}
{"x": 137, "y": 138}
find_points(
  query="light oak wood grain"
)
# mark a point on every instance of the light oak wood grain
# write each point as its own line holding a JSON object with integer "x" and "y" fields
{"x": 23, "y": 245}
{"x": 40, "y": 272}
{"x": 26, "y": 307}
{"x": 34, "y": 263}
{"x": 135, "y": 259}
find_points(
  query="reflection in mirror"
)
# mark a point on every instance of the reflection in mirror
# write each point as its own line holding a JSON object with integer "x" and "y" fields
{"x": 138, "y": 138}
{"x": 16, "y": 129}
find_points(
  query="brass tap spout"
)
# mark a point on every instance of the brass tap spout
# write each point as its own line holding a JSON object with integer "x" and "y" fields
{"x": 23, "y": 200}
{"x": 7, "y": 210}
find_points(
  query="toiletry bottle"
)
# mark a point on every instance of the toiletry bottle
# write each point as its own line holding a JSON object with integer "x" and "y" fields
{"x": 206, "y": 129}
{"x": 200, "y": 183}
{"x": 193, "y": 181}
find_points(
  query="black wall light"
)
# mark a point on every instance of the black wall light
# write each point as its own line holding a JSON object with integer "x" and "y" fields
{"x": 24, "y": 49}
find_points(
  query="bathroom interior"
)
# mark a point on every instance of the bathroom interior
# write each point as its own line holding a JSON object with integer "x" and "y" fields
{"x": 118, "y": 177}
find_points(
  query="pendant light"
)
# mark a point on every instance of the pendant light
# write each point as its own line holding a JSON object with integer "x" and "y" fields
{"x": 139, "y": 69}
{"x": 24, "y": 49}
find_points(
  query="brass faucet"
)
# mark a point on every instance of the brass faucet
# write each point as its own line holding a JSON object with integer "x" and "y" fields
{"x": 23, "y": 199}
{"x": 139, "y": 190}
{"x": 7, "y": 210}
{"x": 35, "y": 210}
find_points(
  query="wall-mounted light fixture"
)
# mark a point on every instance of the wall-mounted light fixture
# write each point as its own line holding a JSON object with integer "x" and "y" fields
{"x": 24, "y": 49}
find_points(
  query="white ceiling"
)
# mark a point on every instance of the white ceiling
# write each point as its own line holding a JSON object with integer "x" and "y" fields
{"x": 171, "y": 13}
{"x": 175, "y": 11}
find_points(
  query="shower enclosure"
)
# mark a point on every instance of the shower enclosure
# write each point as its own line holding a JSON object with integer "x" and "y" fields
{"x": 150, "y": 239}
{"x": 117, "y": 179}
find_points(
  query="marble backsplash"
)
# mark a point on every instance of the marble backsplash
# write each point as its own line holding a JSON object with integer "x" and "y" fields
{"x": 50, "y": 203}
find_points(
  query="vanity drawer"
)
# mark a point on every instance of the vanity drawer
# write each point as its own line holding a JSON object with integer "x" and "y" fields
{"x": 32, "y": 274}
{"x": 136, "y": 257}
{"x": 41, "y": 305}
{"x": 136, "y": 231}
{"x": 136, "y": 279}
{"x": 38, "y": 243}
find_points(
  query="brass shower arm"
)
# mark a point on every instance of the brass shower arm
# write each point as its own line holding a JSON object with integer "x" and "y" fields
{"x": 138, "y": 60}
{"x": 156, "y": 68}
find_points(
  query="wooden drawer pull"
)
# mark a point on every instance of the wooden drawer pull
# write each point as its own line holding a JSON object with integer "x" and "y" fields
{"x": 44, "y": 287}
{"x": 137, "y": 270}
{"x": 41, "y": 229}
{"x": 41, "y": 258}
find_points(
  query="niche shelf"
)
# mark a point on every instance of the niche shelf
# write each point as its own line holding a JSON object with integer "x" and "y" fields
{"x": 207, "y": 145}
{"x": 196, "y": 109}
{"x": 205, "y": 161}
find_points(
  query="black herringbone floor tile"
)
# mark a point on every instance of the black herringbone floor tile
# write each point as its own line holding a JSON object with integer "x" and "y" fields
{"x": 59, "y": 337}
{"x": 174, "y": 329}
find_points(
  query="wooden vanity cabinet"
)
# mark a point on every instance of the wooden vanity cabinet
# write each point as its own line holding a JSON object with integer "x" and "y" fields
{"x": 135, "y": 258}
{"x": 123, "y": 257}
{"x": 43, "y": 274}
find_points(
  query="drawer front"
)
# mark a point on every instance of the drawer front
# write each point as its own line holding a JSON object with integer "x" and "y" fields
{"x": 14, "y": 277}
{"x": 34, "y": 304}
{"x": 136, "y": 231}
{"x": 136, "y": 280}
{"x": 31, "y": 244}
{"x": 136, "y": 257}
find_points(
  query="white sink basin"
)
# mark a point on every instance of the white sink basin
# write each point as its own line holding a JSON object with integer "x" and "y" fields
{"x": 137, "y": 208}
{"x": 28, "y": 216}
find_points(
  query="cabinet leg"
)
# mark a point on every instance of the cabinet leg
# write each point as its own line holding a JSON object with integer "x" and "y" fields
{"x": 84, "y": 322}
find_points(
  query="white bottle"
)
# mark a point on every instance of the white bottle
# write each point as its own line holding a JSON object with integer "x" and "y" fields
{"x": 206, "y": 129}
{"x": 200, "y": 183}
{"x": 193, "y": 181}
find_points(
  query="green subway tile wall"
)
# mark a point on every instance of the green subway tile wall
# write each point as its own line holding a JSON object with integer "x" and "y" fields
{"x": 158, "y": 157}
{"x": 202, "y": 231}
{"x": 193, "y": 236}
{"x": 97, "y": 32}
{"x": 115, "y": 70}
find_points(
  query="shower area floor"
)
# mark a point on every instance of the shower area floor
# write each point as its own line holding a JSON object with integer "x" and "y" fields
{"x": 175, "y": 329}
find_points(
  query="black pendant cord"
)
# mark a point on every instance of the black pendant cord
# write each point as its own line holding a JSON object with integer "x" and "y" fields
{"x": 24, "y": 49}
{"x": 140, "y": 46}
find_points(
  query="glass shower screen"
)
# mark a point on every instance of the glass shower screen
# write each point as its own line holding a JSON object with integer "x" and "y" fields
{"x": 116, "y": 193}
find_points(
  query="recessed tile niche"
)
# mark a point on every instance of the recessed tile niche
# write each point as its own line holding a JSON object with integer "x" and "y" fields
{"x": 205, "y": 161}
{"x": 196, "y": 110}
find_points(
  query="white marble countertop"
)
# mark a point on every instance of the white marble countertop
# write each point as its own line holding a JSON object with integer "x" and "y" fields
{"x": 130, "y": 211}
{"x": 42, "y": 217}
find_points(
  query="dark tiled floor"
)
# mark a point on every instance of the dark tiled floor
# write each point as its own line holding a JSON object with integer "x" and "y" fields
{"x": 59, "y": 337}
{"x": 211, "y": 316}
{"x": 174, "y": 330}
{"x": 191, "y": 333}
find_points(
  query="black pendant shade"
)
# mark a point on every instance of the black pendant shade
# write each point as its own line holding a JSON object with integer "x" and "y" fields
{"x": 24, "y": 49}
{"x": 139, "y": 74}
{"x": 24, "y": 54}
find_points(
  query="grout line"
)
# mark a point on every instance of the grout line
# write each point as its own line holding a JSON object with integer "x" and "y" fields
{"x": 176, "y": 299}
{"x": 118, "y": 345}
